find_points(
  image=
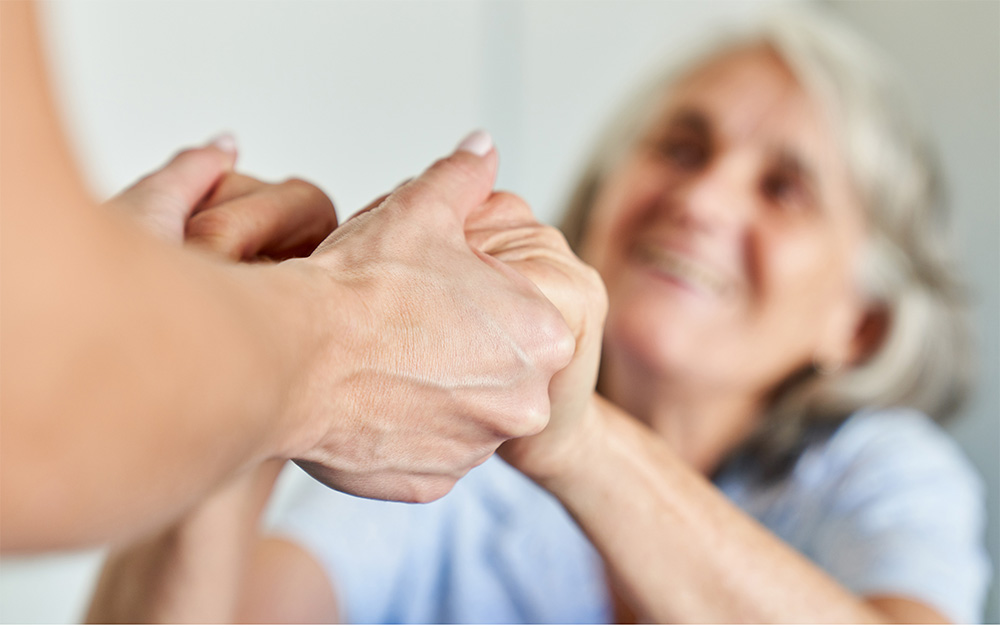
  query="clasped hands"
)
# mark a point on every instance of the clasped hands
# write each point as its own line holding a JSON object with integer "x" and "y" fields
{"x": 447, "y": 319}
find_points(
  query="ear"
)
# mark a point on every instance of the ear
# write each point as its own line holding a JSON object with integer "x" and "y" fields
{"x": 871, "y": 331}
{"x": 854, "y": 333}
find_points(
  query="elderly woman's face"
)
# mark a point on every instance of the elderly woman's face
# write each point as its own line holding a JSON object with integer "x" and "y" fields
{"x": 728, "y": 236}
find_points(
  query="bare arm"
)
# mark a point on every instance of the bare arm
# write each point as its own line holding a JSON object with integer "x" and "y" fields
{"x": 91, "y": 307}
{"x": 213, "y": 566}
{"x": 679, "y": 551}
{"x": 192, "y": 570}
{"x": 137, "y": 376}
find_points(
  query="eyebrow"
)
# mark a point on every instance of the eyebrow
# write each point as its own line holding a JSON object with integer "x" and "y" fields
{"x": 691, "y": 120}
{"x": 695, "y": 121}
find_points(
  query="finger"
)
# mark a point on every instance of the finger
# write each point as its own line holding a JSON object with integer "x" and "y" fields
{"x": 231, "y": 186}
{"x": 279, "y": 221}
{"x": 505, "y": 229}
{"x": 177, "y": 188}
{"x": 461, "y": 181}
{"x": 500, "y": 224}
{"x": 502, "y": 210}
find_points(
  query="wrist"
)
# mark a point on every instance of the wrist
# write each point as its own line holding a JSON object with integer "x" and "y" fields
{"x": 559, "y": 462}
{"x": 301, "y": 325}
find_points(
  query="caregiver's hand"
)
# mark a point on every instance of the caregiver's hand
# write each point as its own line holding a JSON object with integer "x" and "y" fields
{"x": 471, "y": 358}
{"x": 505, "y": 229}
{"x": 390, "y": 361}
{"x": 447, "y": 351}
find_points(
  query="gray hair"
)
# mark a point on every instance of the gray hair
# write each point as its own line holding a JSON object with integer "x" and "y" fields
{"x": 925, "y": 358}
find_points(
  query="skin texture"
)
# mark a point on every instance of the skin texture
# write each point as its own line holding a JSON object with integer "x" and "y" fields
{"x": 690, "y": 347}
{"x": 211, "y": 565}
{"x": 150, "y": 383}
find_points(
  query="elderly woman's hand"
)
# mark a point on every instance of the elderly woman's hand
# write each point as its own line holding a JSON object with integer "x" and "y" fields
{"x": 246, "y": 219}
{"x": 197, "y": 199}
{"x": 505, "y": 229}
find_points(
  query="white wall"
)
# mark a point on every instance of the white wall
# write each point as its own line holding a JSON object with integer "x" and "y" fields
{"x": 356, "y": 96}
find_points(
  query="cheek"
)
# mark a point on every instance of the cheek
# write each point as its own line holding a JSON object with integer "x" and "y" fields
{"x": 812, "y": 270}
{"x": 802, "y": 281}
{"x": 618, "y": 209}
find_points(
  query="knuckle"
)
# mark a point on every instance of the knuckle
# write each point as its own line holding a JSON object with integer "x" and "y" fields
{"x": 563, "y": 348}
{"x": 485, "y": 455}
{"x": 215, "y": 231}
{"x": 506, "y": 197}
{"x": 590, "y": 290}
{"x": 554, "y": 238}
{"x": 242, "y": 181}
{"x": 598, "y": 291}
{"x": 210, "y": 223}
{"x": 302, "y": 187}
{"x": 534, "y": 415}
{"x": 557, "y": 344}
{"x": 430, "y": 489}
{"x": 312, "y": 196}
{"x": 512, "y": 205}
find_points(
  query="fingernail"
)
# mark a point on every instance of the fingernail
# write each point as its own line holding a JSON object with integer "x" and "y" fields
{"x": 478, "y": 142}
{"x": 225, "y": 142}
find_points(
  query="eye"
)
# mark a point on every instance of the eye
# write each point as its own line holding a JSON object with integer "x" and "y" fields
{"x": 687, "y": 153}
{"x": 786, "y": 191}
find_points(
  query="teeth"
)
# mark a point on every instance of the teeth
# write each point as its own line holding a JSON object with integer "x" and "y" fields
{"x": 682, "y": 268}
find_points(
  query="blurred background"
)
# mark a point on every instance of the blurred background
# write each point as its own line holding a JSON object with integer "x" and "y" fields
{"x": 355, "y": 96}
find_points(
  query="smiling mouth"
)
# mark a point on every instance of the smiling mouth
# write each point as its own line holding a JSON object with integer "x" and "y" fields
{"x": 682, "y": 269}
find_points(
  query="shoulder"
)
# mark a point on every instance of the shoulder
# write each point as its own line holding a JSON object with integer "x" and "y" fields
{"x": 899, "y": 509}
{"x": 888, "y": 504}
{"x": 875, "y": 455}
{"x": 887, "y": 450}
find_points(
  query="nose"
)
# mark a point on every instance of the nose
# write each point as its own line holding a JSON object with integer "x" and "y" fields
{"x": 715, "y": 198}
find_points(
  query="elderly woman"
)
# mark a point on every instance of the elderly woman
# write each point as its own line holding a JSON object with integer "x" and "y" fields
{"x": 781, "y": 325}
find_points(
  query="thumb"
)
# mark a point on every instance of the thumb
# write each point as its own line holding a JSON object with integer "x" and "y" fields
{"x": 462, "y": 181}
{"x": 169, "y": 195}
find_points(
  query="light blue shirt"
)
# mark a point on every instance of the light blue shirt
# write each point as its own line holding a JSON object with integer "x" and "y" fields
{"x": 887, "y": 505}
